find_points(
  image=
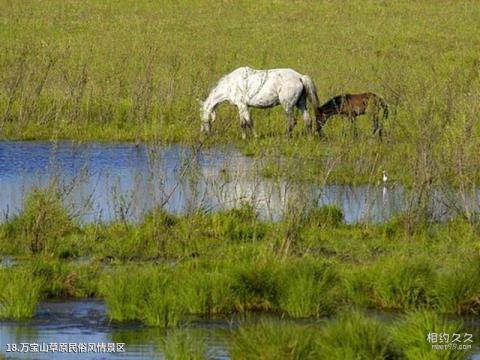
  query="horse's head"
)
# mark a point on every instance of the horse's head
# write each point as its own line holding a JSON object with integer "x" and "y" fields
{"x": 205, "y": 117}
{"x": 206, "y": 126}
{"x": 320, "y": 119}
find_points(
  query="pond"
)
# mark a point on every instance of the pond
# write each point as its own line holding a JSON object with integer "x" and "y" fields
{"x": 103, "y": 182}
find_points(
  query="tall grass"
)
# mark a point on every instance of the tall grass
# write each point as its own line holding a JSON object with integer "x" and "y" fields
{"x": 66, "y": 278}
{"x": 411, "y": 332}
{"x": 167, "y": 268}
{"x": 206, "y": 292}
{"x": 351, "y": 335}
{"x": 402, "y": 283}
{"x": 458, "y": 291}
{"x": 61, "y": 79}
{"x": 270, "y": 340}
{"x": 180, "y": 344}
{"x": 255, "y": 285}
{"x": 20, "y": 291}
{"x": 42, "y": 227}
{"x": 143, "y": 294}
{"x": 308, "y": 288}
{"x": 354, "y": 336}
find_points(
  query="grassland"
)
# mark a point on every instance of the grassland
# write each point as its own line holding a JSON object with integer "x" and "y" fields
{"x": 133, "y": 70}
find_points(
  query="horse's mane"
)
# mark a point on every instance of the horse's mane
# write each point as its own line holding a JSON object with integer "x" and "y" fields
{"x": 333, "y": 102}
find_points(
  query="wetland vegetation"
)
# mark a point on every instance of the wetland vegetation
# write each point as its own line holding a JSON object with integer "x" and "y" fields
{"x": 132, "y": 71}
{"x": 171, "y": 269}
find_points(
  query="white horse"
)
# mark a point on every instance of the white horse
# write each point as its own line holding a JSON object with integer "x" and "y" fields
{"x": 246, "y": 87}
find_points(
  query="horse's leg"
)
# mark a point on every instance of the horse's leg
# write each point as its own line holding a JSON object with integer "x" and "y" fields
{"x": 377, "y": 128}
{"x": 291, "y": 121}
{"x": 319, "y": 122}
{"x": 250, "y": 125}
{"x": 213, "y": 116}
{"x": 245, "y": 121}
{"x": 289, "y": 97}
{"x": 354, "y": 125}
{"x": 302, "y": 106}
{"x": 345, "y": 131}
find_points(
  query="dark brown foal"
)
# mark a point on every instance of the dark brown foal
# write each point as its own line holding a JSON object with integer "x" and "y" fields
{"x": 353, "y": 105}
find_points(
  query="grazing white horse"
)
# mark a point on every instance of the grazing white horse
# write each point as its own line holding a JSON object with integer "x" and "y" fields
{"x": 246, "y": 87}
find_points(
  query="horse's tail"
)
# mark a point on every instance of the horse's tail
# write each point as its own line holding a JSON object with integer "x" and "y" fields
{"x": 311, "y": 90}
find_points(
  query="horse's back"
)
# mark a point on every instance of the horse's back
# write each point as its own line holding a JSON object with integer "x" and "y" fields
{"x": 365, "y": 97}
{"x": 261, "y": 87}
{"x": 267, "y": 80}
{"x": 249, "y": 71}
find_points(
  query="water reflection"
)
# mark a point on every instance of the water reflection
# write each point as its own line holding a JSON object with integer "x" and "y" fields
{"x": 85, "y": 322}
{"x": 111, "y": 181}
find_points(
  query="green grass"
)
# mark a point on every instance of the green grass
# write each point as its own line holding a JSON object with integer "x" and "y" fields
{"x": 65, "y": 278}
{"x": 168, "y": 268}
{"x": 206, "y": 292}
{"x": 71, "y": 71}
{"x": 180, "y": 344}
{"x": 410, "y": 334}
{"x": 230, "y": 265}
{"x": 146, "y": 294}
{"x": 270, "y": 340}
{"x": 20, "y": 292}
{"x": 461, "y": 289}
{"x": 402, "y": 282}
{"x": 308, "y": 288}
{"x": 354, "y": 336}
{"x": 133, "y": 70}
{"x": 351, "y": 335}
{"x": 43, "y": 227}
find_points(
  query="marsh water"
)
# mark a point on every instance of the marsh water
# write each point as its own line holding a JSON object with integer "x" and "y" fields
{"x": 85, "y": 321}
{"x": 66, "y": 321}
{"x": 103, "y": 182}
